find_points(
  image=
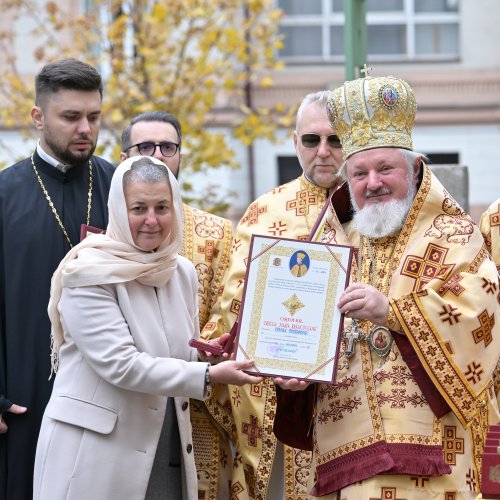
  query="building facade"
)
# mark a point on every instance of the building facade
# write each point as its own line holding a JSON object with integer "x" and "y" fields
{"x": 447, "y": 50}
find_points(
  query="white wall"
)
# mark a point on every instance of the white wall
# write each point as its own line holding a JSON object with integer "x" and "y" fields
{"x": 480, "y": 33}
{"x": 266, "y": 162}
{"x": 478, "y": 147}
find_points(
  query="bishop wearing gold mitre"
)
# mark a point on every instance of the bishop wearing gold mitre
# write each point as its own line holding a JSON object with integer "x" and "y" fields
{"x": 413, "y": 399}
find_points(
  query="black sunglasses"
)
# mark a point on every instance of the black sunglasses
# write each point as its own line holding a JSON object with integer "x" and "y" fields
{"x": 149, "y": 148}
{"x": 313, "y": 140}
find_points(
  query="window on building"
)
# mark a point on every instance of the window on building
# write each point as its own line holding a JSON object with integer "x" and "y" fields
{"x": 398, "y": 30}
{"x": 443, "y": 158}
{"x": 288, "y": 169}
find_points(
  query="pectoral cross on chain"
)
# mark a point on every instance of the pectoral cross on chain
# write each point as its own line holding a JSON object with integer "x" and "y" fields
{"x": 351, "y": 335}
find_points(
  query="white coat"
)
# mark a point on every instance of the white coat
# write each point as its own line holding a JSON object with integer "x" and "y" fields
{"x": 126, "y": 350}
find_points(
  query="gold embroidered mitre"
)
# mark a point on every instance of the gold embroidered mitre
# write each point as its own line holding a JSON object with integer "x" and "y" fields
{"x": 373, "y": 112}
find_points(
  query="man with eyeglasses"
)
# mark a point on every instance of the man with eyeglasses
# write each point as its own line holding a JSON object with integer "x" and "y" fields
{"x": 263, "y": 468}
{"x": 207, "y": 243}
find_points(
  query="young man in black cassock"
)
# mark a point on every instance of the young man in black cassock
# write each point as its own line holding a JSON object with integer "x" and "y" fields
{"x": 44, "y": 199}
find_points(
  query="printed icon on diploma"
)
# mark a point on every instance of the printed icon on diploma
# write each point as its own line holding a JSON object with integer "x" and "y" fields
{"x": 299, "y": 263}
{"x": 289, "y": 321}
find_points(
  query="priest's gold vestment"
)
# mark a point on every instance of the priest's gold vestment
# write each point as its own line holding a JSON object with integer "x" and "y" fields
{"x": 490, "y": 229}
{"x": 489, "y": 224}
{"x": 290, "y": 211}
{"x": 207, "y": 244}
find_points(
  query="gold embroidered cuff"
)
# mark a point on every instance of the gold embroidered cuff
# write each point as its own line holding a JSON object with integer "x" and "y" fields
{"x": 392, "y": 320}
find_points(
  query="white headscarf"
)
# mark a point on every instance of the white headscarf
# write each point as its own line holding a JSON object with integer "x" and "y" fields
{"x": 113, "y": 257}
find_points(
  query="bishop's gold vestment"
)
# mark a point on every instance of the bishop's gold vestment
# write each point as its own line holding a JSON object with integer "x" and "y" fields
{"x": 489, "y": 224}
{"x": 413, "y": 425}
{"x": 207, "y": 244}
{"x": 490, "y": 229}
{"x": 290, "y": 211}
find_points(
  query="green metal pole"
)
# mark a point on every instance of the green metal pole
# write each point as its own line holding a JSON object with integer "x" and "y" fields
{"x": 354, "y": 38}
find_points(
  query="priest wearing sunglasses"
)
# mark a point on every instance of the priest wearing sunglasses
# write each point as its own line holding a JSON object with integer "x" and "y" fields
{"x": 290, "y": 211}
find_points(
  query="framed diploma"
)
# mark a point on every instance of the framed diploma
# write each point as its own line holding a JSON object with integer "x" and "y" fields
{"x": 289, "y": 320}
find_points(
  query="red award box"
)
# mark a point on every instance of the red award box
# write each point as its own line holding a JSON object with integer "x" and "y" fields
{"x": 490, "y": 487}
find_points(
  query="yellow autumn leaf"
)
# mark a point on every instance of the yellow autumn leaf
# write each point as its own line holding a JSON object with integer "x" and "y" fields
{"x": 266, "y": 82}
{"x": 159, "y": 10}
{"x": 115, "y": 115}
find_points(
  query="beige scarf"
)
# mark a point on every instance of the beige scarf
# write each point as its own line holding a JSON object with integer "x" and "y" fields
{"x": 113, "y": 257}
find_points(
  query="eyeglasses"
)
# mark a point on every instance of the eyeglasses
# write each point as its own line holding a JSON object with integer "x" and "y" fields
{"x": 313, "y": 140}
{"x": 149, "y": 148}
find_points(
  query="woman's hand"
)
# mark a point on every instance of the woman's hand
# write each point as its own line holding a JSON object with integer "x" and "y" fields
{"x": 220, "y": 343}
{"x": 231, "y": 372}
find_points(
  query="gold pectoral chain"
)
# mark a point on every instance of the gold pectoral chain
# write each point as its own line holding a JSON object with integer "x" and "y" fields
{"x": 52, "y": 206}
{"x": 379, "y": 339}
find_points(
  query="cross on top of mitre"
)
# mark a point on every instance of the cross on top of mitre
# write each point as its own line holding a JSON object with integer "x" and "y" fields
{"x": 365, "y": 69}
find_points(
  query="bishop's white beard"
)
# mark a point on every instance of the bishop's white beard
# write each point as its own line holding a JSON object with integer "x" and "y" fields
{"x": 380, "y": 219}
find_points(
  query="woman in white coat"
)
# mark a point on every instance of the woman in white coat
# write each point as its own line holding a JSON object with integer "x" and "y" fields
{"x": 123, "y": 308}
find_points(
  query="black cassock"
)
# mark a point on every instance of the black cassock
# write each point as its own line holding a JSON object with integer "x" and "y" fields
{"x": 31, "y": 246}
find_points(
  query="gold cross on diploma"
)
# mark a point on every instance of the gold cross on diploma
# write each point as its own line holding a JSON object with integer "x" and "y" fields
{"x": 365, "y": 69}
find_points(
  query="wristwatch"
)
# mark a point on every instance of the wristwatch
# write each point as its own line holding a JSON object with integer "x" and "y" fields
{"x": 208, "y": 382}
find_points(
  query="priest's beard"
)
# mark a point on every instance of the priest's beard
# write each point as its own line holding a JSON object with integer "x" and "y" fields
{"x": 380, "y": 219}
{"x": 62, "y": 153}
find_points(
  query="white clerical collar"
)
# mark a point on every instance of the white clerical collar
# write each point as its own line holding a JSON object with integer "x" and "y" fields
{"x": 49, "y": 159}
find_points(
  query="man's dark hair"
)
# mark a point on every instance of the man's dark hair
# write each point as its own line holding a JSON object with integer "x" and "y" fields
{"x": 70, "y": 74}
{"x": 150, "y": 116}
